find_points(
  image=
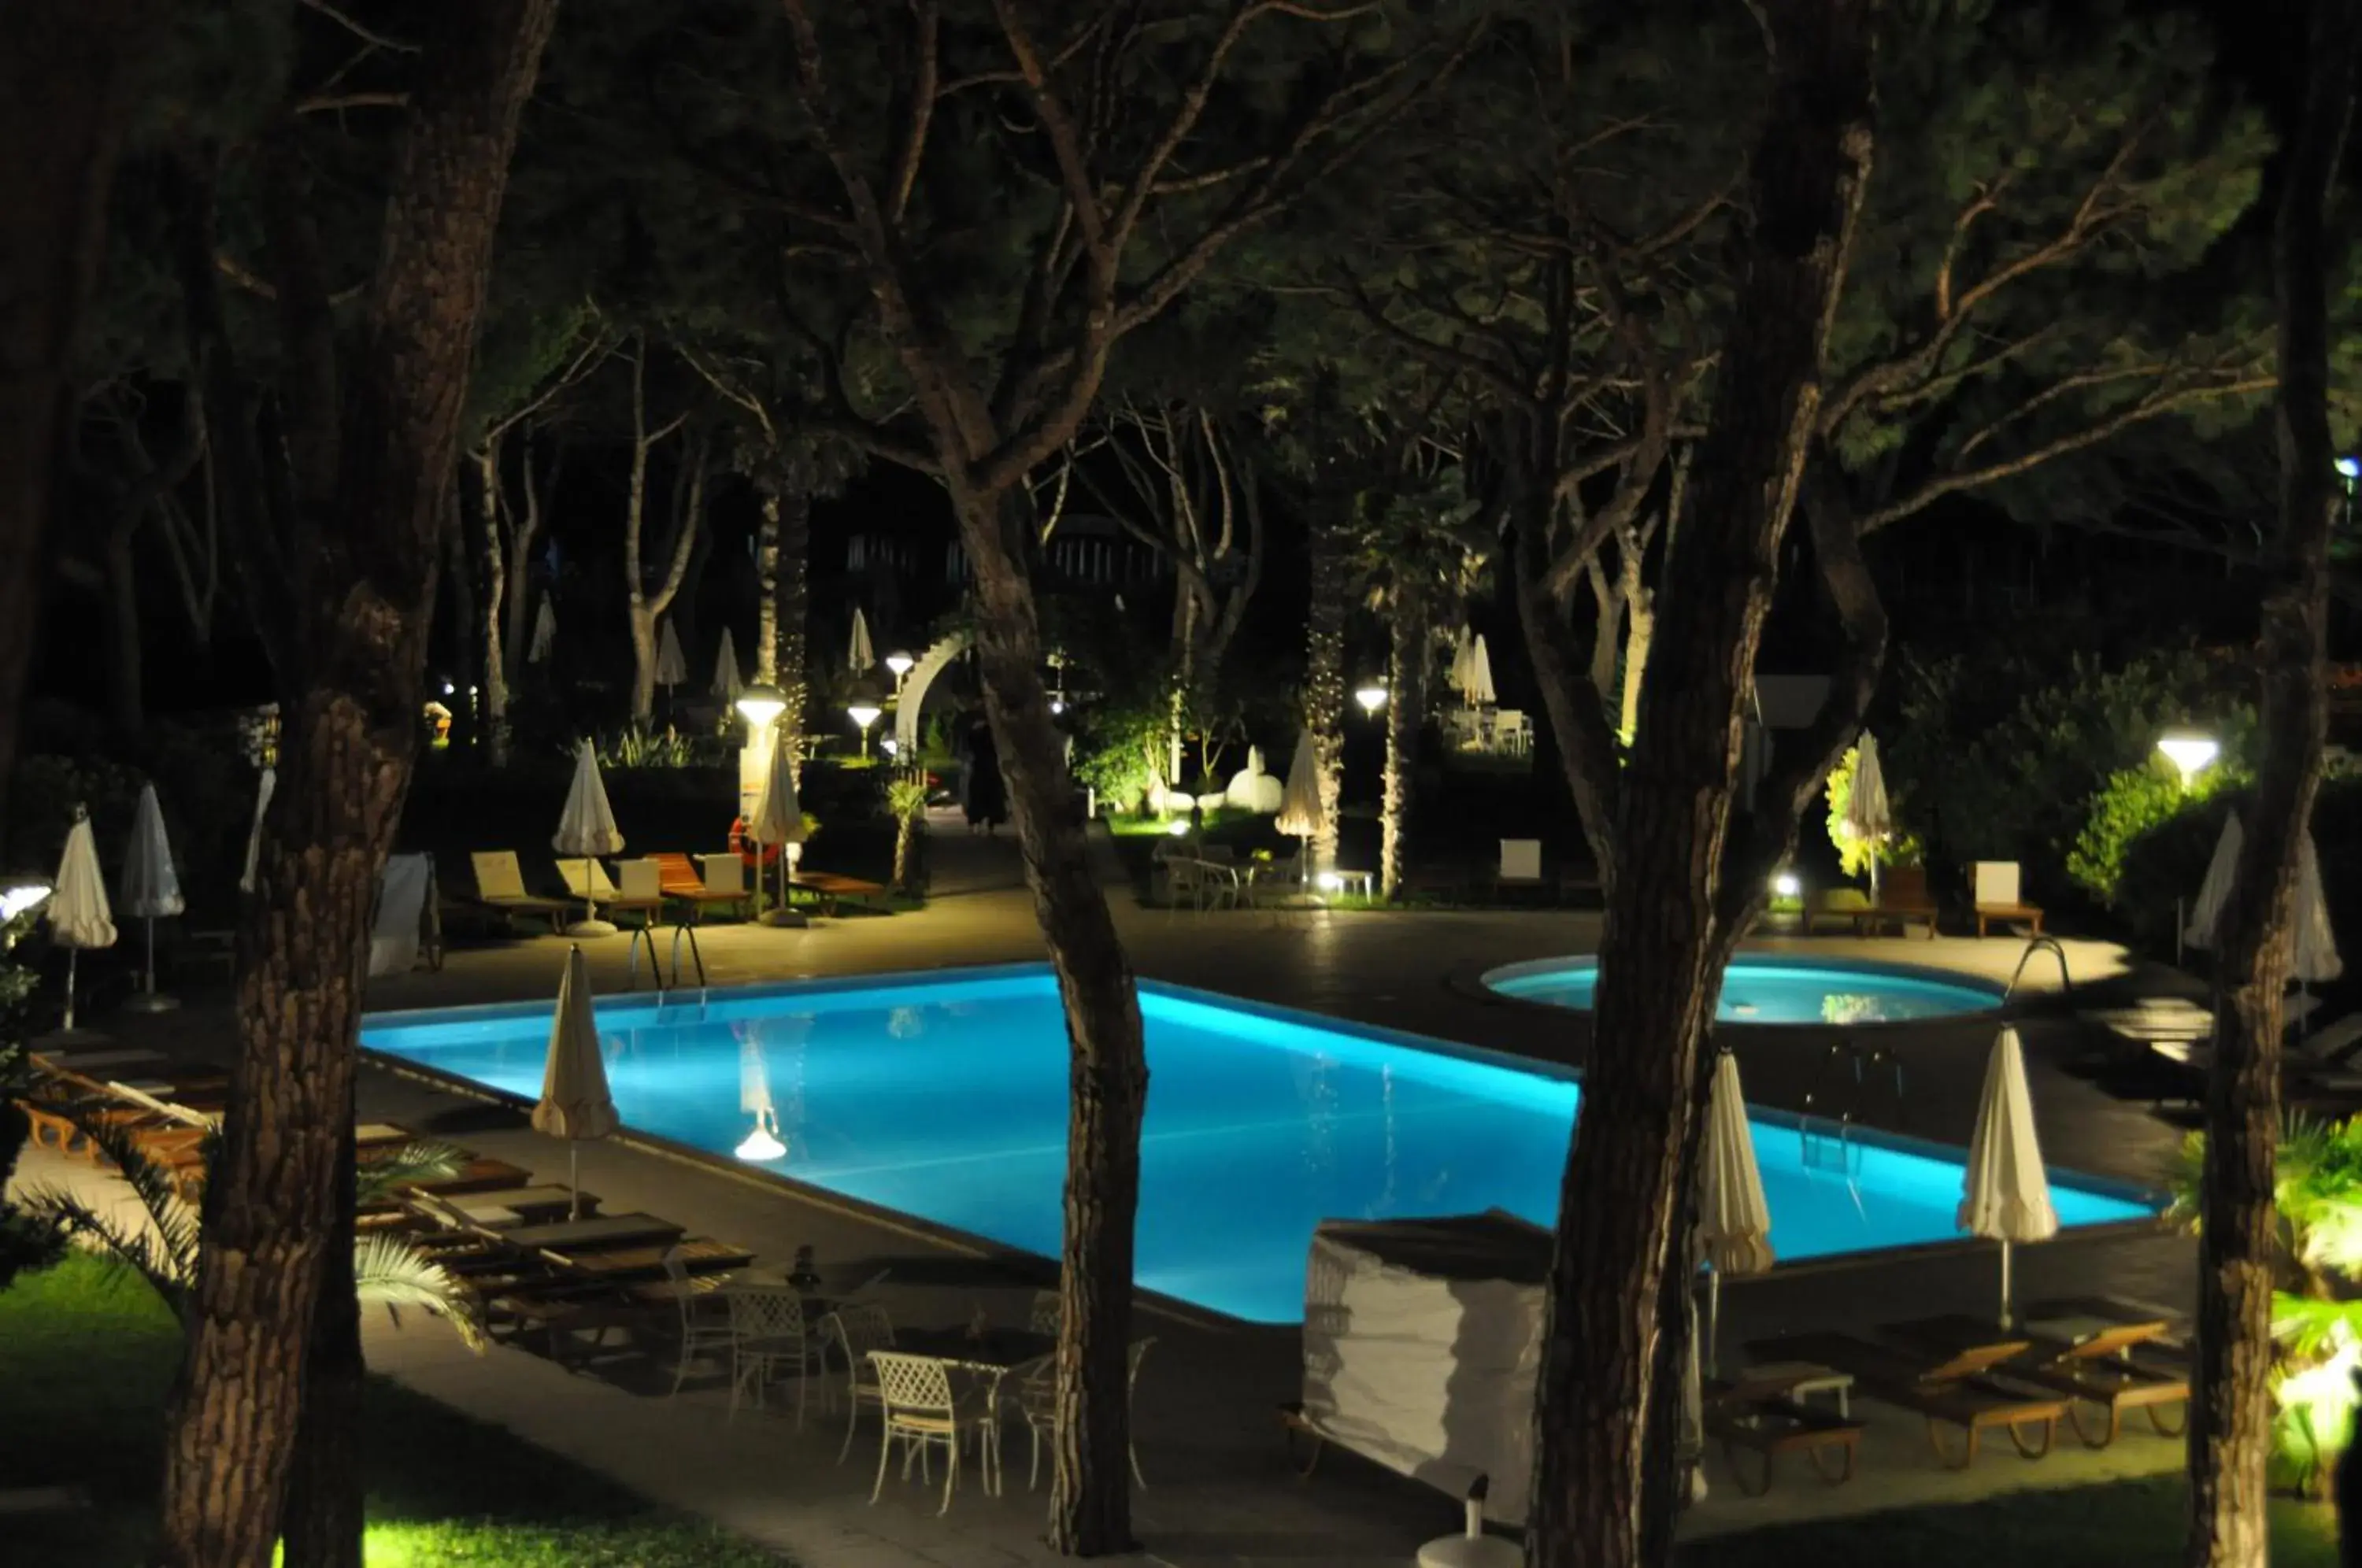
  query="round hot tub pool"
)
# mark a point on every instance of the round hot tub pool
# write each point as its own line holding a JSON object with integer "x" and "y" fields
{"x": 1763, "y": 989}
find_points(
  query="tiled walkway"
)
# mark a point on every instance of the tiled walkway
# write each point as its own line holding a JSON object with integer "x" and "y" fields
{"x": 1220, "y": 1492}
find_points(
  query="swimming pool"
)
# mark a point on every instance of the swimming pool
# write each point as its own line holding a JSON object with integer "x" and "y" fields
{"x": 1762, "y": 987}
{"x": 944, "y": 1097}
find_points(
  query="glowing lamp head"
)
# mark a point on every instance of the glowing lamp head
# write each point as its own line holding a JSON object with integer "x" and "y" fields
{"x": 2189, "y": 753}
{"x": 1057, "y": 705}
{"x": 19, "y": 898}
{"x": 1785, "y": 885}
{"x": 1178, "y": 827}
{"x": 863, "y": 713}
{"x": 900, "y": 663}
{"x": 891, "y": 746}
{"x": 449, "y": 688}
{"x": 1328, "y": 881}
{"x": 759, "y": 705}
{"x": 2350, "y": 466}
{"x": 1372, "y": 697}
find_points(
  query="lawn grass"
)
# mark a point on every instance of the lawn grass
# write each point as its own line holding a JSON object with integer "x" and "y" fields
{"x": 87, "y": 1358}
{"x": 2125, "y": 1522}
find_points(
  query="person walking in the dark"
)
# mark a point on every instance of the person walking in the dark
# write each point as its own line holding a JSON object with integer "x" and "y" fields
{"x": 983, "y": 796}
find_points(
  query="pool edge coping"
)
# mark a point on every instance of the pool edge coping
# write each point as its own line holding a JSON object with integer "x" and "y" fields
{"x": 2154, "y": 1199}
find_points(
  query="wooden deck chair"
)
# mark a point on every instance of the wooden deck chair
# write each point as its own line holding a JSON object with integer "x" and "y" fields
{"x": 500, "y": 885}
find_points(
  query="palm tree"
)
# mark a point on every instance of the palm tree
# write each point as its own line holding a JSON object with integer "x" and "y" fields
{"x": 906, "y": 802}
{"x": 160, "y": 1244}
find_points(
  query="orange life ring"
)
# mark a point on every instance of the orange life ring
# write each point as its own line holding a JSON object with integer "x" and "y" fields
{"x": 764, "y": 856}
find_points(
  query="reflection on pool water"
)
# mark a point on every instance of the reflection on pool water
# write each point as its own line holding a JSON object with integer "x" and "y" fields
{"x": 944, "y": 1097}
{"x": 1763, "y": 988}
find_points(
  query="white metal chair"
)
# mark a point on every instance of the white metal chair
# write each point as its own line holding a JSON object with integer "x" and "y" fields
{"x": 857, "y": 1331}
{"x": 1037, "y": 1402}
{"x": 705, "y": 1318}
{"x": 1522, "y": 864}
{"x": 768, "y": 1336}
{"x": 921, "y": 1408}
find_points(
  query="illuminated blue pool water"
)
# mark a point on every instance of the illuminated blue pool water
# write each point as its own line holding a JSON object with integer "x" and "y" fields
{"x": 945, "y": 1097}
{"x": 1763, "y": 989}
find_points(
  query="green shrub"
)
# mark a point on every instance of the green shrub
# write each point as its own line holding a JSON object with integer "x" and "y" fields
{"x": 1901, "y": 846}
{"x": 2135, "y": 804}
{"x": 1120, "y": 750}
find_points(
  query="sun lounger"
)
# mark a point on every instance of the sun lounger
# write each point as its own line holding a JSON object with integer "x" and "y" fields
{"x": 595, "y": 1234}
{"x": 680, "y": 880}
{"x": 1995, "y": 884}
{"x": 829, "y": 889}
{"x": 1520, "y": 867}
{"x": 588, "y": 880}
{"x": 499, "y": 886}
{"x": 1761, "y": 1412}
{"x": 1963, "y": 1390}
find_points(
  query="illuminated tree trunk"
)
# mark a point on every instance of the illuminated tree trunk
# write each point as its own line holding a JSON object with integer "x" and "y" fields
{"x": 2230, "y": 1406}
{"x": 794, "y": 643}
{"x": 1624, "y": 1196}
{"x": 1406, "y": 716}
{"x": 500, "y": 586}
{"x": 767, "y": 591}
{"x": 1324, "y": 676}
{"x": 372, "y": 500}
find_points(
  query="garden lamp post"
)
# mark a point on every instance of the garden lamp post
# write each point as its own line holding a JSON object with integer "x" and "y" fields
{"x": 865, "y": 714}
{"x": 2191, "y": 753}
{"x": 1372, "y": 697}
{"x": 900, "y": 663}
{"x": 760, "y": 706}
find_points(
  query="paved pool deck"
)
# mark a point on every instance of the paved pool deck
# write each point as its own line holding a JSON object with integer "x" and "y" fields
{"x": 1219, "y": 1491}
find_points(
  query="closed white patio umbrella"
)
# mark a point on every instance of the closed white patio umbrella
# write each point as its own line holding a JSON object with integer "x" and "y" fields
{"x": 1734, "y": 1226}
{"x": 1461, "y": 647}
{"x": 2215, "y": 889}
{"x": 575, "y": 1102}
{"x": 264, "y": 787}
{"x": 1479, "y": 674}
{"x": 672, "y": 668}
{"x": 1299, "y": 802}
{"x": 545, "y": 634}
{"x": 726, "y": 684}
{"x": 779, "y": 821}
{"x": 1868, "y": 816}
{"x": 861, "y": 657}
{"x": 78, "y": 914}
{"x": 150, "y": 890}
{"x": 2005, "y": 1193}
{"x": 2312, "y": 954}
{"x": 587, "y": 831}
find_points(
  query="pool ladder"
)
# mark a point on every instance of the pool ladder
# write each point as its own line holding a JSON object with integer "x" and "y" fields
{"x": 2034, "y": 944}
{"x": 1857, "y": 1070}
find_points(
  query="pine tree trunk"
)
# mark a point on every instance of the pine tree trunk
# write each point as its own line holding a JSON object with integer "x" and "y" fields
{"x": 322, "y": 1521}
{"x": 1406, "y": 717}
{"x": 795, "y": 615}
{"x": 767, "y": 591}
{"x": 1623, "y": 1194}
{"x": 1324, "y": 678}
{"x": 65, "y": 76}
{"x": 1091, "y": 1488}
{"x": 127, "y": 702}
{"x": 348, "y": 739}
{"x": 498, "y": 610}
{"x": 1639, "y": 630}
{"x": 2230, "y": 1406}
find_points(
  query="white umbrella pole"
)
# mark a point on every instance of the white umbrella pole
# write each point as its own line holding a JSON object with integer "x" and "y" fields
{"x": 148, "y": 973}
{"x": 2006, "y": 1315}
{"x": 1713, "y": 1322}
{"x": 73, "y": 958}
{"x": 574, "y": 1174}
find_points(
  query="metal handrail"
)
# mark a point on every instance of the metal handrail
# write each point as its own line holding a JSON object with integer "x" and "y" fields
{"x": 2034, "y": 944}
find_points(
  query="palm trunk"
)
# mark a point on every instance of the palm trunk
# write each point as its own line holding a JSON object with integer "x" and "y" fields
{"x": 795, "y": 613}
{"x": 906, "y": 843}
{"x": 349, "y": 738}
{"x": 498, "y": 612}
{"x": 1406, "y": 717}
{"x": 321, "y": 1523}
{"x": 1623, "y": 1194}
{"x": 64, "y": 75}
{"x": 1324, "y": 678}
{"x": 767, "y": 591}
{"x": 2230, "y": 1406}
{"x": 1090, "y": 1489}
